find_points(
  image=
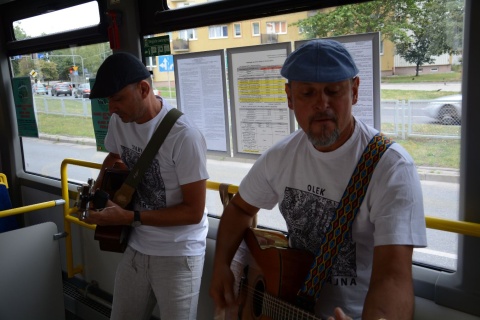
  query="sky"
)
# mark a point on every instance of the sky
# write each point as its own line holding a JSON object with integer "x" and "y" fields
{"x": 67, "y": 19}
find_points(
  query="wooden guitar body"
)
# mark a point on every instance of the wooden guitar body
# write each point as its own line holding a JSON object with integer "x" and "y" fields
{"x": 273, "y": 278}
{"x": 113, "y": 238}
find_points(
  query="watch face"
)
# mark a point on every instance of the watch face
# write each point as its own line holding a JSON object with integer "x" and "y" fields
{"x": 136, "y": 223}
{"x": 136, "y": 219}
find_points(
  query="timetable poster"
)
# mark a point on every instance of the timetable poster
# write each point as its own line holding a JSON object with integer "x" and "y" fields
{"x": 100, "y": 119}
{"x": 201, "y": 94}
{"x": 23, "y": 97}
{"x": 259, "y": 106}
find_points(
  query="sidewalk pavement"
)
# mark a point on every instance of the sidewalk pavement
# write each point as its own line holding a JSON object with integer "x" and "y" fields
{"x": 439, "y": 174}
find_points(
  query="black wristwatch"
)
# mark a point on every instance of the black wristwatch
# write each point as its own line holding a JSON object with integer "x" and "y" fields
{"x": 136, "y": 219}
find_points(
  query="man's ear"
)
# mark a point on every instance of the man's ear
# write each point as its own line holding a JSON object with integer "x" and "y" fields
{"x": 145, "y": 88}
{"x": 355, "y": 86}
{"x": 288, "y": 91}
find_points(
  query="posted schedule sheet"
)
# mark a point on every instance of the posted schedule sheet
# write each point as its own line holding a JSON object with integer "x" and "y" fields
{"x": 260, "y": 105}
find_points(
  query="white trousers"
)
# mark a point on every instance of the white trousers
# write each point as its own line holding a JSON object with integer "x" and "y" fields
{"x": 143, "y": 280}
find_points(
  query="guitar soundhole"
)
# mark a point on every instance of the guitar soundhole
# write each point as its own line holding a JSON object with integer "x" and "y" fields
{"x": 258, "y": 298}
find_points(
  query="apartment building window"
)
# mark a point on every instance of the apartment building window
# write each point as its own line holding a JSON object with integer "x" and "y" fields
{"x": 189, "y": 34}
{"x": 277, "y": 27}
{"x": 237, "y": 30}
{"x": 255, "y": 29}
{"x": 217, "y": 32}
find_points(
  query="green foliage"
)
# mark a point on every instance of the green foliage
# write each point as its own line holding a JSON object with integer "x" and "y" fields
{"x": 427, "y": 33}
{"x": 429, "y": 77}
{"x": 48, "y": 70}
{"x": 388, "y": 17}
{"x": 420, "y": 29}
{"x": 19, "y": 33}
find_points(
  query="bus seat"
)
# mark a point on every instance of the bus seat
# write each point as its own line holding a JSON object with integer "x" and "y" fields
{"x": 31, "y": 284}
{"x": 6, "y": 223}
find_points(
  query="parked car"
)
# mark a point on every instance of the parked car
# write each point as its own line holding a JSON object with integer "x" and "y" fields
{"x": 82, "y": 91}
{"x": 61, "y": 88}
{"x": 447, "y": 110}
{"x": 39, "y": 88}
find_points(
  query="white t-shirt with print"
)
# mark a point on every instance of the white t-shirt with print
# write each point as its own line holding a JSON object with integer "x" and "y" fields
{"x": 180, "y": 160}
{"x": 308, "y": 185}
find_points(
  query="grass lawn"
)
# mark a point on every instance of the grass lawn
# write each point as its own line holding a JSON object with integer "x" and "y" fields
{"x": 432, "y": 77}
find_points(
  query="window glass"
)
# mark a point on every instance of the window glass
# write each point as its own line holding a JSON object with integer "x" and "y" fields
{"x": 76, "y": 17}
{"x": 215, "y": 32}
{"x": 175, "y": 4}
{"x": 237, "y": 30}
{"x": 60, "y": 88}
{"x": 255, "y": 28}
{"x": 188, "y": 34}
{"x": 276, "y": 27}
{"x": 420, "y": 107}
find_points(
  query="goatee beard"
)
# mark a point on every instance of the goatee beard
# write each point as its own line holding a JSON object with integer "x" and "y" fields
{"x": 324, "y": 140}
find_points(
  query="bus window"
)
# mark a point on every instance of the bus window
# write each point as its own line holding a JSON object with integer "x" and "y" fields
{"x": 63, "y": 113}
{"x": 410, "y": 92}
{"x": 410, "y": 87}
{"x": 76, "y": 17}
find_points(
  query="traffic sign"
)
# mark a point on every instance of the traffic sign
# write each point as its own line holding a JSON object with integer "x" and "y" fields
{"x": 165, "y": 63}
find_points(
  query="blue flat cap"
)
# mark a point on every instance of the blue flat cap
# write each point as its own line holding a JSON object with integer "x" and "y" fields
{"x": 116, "y": 72}
{"x": 319, "y": 60}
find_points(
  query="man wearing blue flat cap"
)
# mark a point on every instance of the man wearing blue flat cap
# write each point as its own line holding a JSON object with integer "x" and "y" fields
{"x": 307, "y": 174}
{"x": 163, "y": 262}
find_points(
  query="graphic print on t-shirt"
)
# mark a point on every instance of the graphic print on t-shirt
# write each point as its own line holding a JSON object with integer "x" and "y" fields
{"x": 308, "y": 216}
{"x": 150, "y": 192}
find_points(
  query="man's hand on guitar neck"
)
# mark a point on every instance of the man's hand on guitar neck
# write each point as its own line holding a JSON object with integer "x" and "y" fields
{"x": 339, "y": 315}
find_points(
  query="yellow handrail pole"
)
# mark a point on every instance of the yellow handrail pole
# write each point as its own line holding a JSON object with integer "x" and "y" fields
{"x": 212, "y": 185}
{"x": 461, "y": 227}
{"x": 71, "y": 271}
{"x": 32, "y": 207}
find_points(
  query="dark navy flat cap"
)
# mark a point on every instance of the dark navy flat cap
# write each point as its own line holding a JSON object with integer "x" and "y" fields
{"x": 116, "y": 72}
{"x": 320, "y": 60}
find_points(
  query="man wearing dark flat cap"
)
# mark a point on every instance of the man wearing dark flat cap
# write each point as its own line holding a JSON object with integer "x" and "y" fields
{"x": 307, "y": 174}
{"x": 163, "y": 262}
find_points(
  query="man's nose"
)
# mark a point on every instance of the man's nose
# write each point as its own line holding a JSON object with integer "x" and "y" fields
{"x": 321, "y": 101}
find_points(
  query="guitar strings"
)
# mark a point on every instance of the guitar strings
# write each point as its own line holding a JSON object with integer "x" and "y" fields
{"x": 275, "y": 307}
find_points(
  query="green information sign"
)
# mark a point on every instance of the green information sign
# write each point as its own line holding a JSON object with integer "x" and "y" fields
{"x": 100, "y": 118}
{"x": 156, "y": 46}
{"x": 26, "y": 120}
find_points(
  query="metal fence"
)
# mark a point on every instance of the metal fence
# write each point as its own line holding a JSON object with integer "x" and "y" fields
{"x": 399, "y": 118}
{"x": 421, "y": 118}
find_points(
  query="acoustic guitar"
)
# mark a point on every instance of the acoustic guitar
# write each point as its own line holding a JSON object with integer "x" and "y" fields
{"x": 271, "y": 281}
{"x": 113, "y": 238}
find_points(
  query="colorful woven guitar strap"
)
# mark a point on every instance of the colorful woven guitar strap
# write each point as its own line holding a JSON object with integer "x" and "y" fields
{"x": 343, "y": 218}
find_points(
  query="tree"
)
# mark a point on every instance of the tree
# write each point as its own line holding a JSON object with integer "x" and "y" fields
{"x": 388, "y": 16}
{"x": 48, "y": 70}
{"x": 19, "y": 33}
{"x": 419, "y": 29}
{"x": 429, "y": 32}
